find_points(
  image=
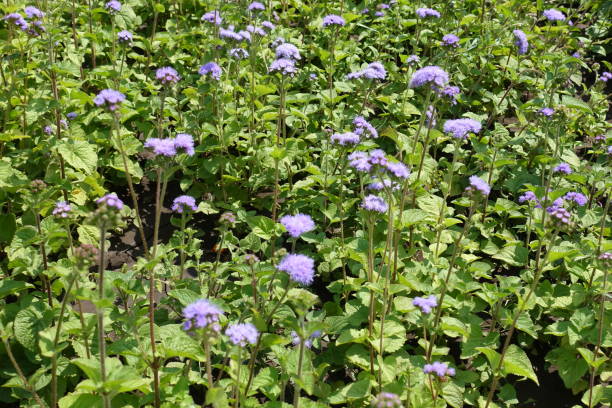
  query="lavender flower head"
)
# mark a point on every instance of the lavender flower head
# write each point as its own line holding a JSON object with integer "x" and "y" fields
{"x": 256, "y": 30}
{"x": 333, "y": 19}
{"x": 202, "y": 314}
{"x": 256, "y": 6}
{"x": 412, "y": 59}
{"x": 18, "y": 20}
{"x": 432, "y": 74}
{"x": 578, "y": 198}
{"x": 125, "y": 37}
{"x": 375, "y": 203}
{"x": 299, "y": 267}
{"x": 451, "y": 92}
{"x": 295, "y": 338}
{"x": 377, "y": 156}
{"x": 62, "y": 209}
{"x": 161, "y": 147}
{"x": 606, "y": 259}
{"x": 563, "y": 168}
{"x": 459, "y": 128}
{"x": 439, "y": 369}
{"x": 184, "y": 142}
{"x": 374, "y": 70}
{"x": 478, "y": 184}
{"x": 227, "y": 217}
{"x": 529, "y": 197}
{"x": 521, "y": 41}
{"x": 363, "y": 126}
{"x": 239, "y": 53}
{"x": 33, "y": 13}
{"x": 242, "y": 334}
{"x": 110, "y": 200}
{"x": 113, "y": 6}
{"x": 48, "y": 130}
{"x": 379, "y": 13}
{"x": 267, "y": 24}
{"x": 343, "y": 139}
{"x": 424, "y": 12}
{"x": 287, "y": 50}
{"x": 109, "y": 98}
{"x": 212, "y": 69}
{"x": 184, "y": 202}
{"x": 284, "y": 66}
{"x": 380, "y": 185}
{"x": 359, "y": 161}
{"x": 212, "y": 17}
{"x": 298, "y": 224}
{"x": 548, "y": 112}
{"x": 387, "y": 400}
{"x": 398, "y": 169}
{"x": 72, "y": 115}
{"x": 167, "y": 76}
{"x": 553, "y": 15}
{"x": 605, "y": 76}
{"x": 425, "y": 304}
{"x": 558, "y": 213}
{"x": 450, "y": 40}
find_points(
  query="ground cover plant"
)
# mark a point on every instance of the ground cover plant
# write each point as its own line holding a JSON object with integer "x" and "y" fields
{"x": 302, "y": 203}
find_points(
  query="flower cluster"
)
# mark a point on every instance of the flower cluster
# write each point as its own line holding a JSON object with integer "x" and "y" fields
{"x": 343, "y": 139}
{"x": 432, "y": 74}
{"x": 242, "y": 334}
{"x": 212, "y": 69}
{"x": 109, "y": 98}
{"x": 424, "y": 12}
{"x": 548, "y": 112}
{"x": 171, "y": 146}
{"x": 363, "y": 126}
{"x": 167, "y": 76}
{"x": 238, "y": 53}
{"x": 387, "y": 400}
{"x": 529, "y": 197}
{"x": 554, "y": 15}
{"x": 333, "y": 19}
{"x": 113, "y": 6}
{"x": 578, "y": 198}
{"x": 563, "y": 168}
{"x": 298, "y": 224}
{"x": 184, "y": 202}
{"x": 374, "y": 203}
{"x": 374, "y": 70}
{"x": 425, "y": 304}
{"x": 459, "y": 128}
{"x": 110, "y": 200}
{"x": 558, "y": 213}
{"x": 299, "y": 267}
{"x": 478, "y": 184}
{"x": 295, "y": 338}
{"x": 605, "y": 76}
{"x": 439, "y": 369}
{"x": 412, "y": 59}
{"x": 125, "y": 37}
{"x": 256, "y": 6}
{"x": 202, "y": 314}
{"x": 212, "y": 17}
{"x": 286, "y": 56}
{"x": 521, "y": 41}
{"x": 450, "y": 40}
{"x": 62, "y": 209}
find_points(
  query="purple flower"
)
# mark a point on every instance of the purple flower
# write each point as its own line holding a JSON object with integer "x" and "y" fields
{"x": 380, "y": 185}
{"x": 548, "y": 112}
{"x": 298, "y": 224}
{"x": 450, "y": 40}
{"x": 268, "y": 25}
{"x": 375, "y": 203}
{"x": 242, "y": 334}
{"x": 554, "y": 15}
{"x": 62, "y": 209}
{"x": 362, "y": 125}
{"x": 398, "y": 169}
{"x": 429, "y": 75}
{"x": 424, "y": 12}
{"x": 113, "y": 6}
{"x": 375, "y": 70}
{"x": 430, "y": 116}
{"x": 333, "y": 19}
{"x": 576, "y": 54}
{"x": 125, "y": 37}
{"x": 72, "y": 115}
{"x": 255, "y": 6}
{"x": 227, "y": 218}
{"x": 256, "y": 30}
{"x": 161, "y": 147}
{"x": 212, "y": 17}
{"x": 36, "y": 28}
{"x": 451, "y": 92}
{"x": 299, "y": 267}
{"x": 33, "y": 13}
{"x": 359, "y": 161}
{"x": 18, "y": 20}
{"x": 478, "y": 184}
{"x": 563, "y": 168}
{"x": 521, "y": 41}
{"x": 202, "y": 314}
{"x": 229, "y": 34}
{"x": 110, "y": 200}
{"x": 459, "y": 128}
{"x": 167, "y": 75}
{"x": 109, "y": 98}
{"x": 529, "y": 196}
{"x": 184, "y": 202}
{"x": 184, "y": 141}
{"x": 609, "y": 149}
{"x": 605, "y": 76}
{"x": 287, "y": 50}
{"x": 439, "y": 369}
{"x": 238, "y": 53}
{"x": 348, "y": 138}
{"x": 285, "y": 66}
{"x": 295, "y": 339}
{"x": 377, "y": 156}
{"x": 425, "y": 304}
{"x": 412, "y": 58}
{"x": 379, "y": 13}
{"x": 212, "y": 69}
{"x": 578, "y": 198}
{"x": 48, "y": 130}
{"x": 245, "y": 35}
{"x": 559, "y": 213}
{"x": 387, "y": 400}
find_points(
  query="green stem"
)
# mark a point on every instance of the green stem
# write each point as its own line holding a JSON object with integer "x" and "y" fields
{"x": 100, "y": 316}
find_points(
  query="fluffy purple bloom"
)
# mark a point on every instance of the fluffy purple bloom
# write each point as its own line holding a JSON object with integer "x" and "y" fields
{"x": 212, "y": 69}
{"x": 295, "y": 339}
{"x": 413, "y": 58}
{"x": 184, "y": 202}
{"x": 333, "y": 19}
{"x": 606, "y": 256}
{"x": 256, "y": 6}
{"x": 609, "y": 149}
{"x": 359, "y": 161}
{"x": 398, "y": 169}
{"x": 343, "y": 139}
{"x": 184, "y": 142}
{"x": 553, "y": 15}
{"x": 559, "y": 213}
{"x": 521, "y": 41}
{"x": 242, "y": 334}
{"x": 377, "y": 156}
{"x": 36, "y": 28}
{"x": 432, "y": 74}
{"x": 72, "y": 115}
{"x": 62, "y": 209}
{"x": 375, "y": 203}
{"x": 605, "y": 76}
{"x": 245, "y": 35}
{"x": 18, "y": 20}
{"x": 451, "y": 92}
{"x": 212, "y": 17}
{"x": 439, "y": 369}
{"x": 430, "y": 116}
{"x": 109, "y": 98}
{"x": 450, "y": 40}
{"x": 363, "y": 126}
{"x": 563, "y": 168}
{"x": 202, "y": 314}
{"x": 229, "y": 34}
{"x": 478, "y": 184}
{"x": 238, "y": 53}
{"x": 299, "y": 267}
{"x": 110, "y": 200}
{"x": 379, "y": 14}
{"x": 387, "y": 400}
{"x": 125, "y": 37}
{"x": 161, "y": 147}
{"x": 287, "y": 50}
{"x": 380, "y": 185}
{"x": 33, "y": 13}
{"x": 529, "y": 196}
{"x": 256, "y": 30}
{"x": 167, "y": 75}
{"x": 268, "y": 25}
{"x": 459, "y": 128}
{"x": 424, "y": 12}
{"x": 425, "y": 304}
{"x": 578, "y": 198}
{"x": 298, "y": 224}
{"x": 113, "y": 6}
{"x": 548, "y": 112}
{"x": 375, "y": 70}
{"x": 285, "y": 66}
{"x": 48, "y": 130}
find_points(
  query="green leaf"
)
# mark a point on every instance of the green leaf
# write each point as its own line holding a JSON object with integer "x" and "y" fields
{"x": 357, "y": 390}
{"x": 79, "y": 154}
{"x": 29, "y": 322}
{"x": 570, "y": 366}
{"x": 10, "y": 287}
{"x": 80, "y": 400}
{"x": 8, "y": 226}
{"x": 515, "y": 255}
{"x": 516, "y": 362}
{"x": 575, "y": 103}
